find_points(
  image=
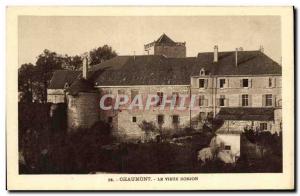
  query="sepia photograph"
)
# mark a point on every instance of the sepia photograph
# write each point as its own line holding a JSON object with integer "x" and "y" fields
{"x": 139, "y": 95}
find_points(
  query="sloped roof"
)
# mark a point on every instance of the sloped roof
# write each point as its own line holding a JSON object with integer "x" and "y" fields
{"x": 258, "y": 114}
{"x": 61, "y": 77}
{"x": 159, "y": 70}
{"x": 81, "y": 85}
{"x": 164, "y": 39}
{"x": 249, "y": 63}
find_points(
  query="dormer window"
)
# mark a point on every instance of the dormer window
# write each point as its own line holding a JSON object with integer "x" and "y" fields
{"x": 66, "y": 85}
{"x": 202, "y": 72}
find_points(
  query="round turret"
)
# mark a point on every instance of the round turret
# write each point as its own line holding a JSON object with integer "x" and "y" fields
{"x": 83, "y": 105}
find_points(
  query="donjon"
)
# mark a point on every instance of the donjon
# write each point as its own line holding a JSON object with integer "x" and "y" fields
{"x": 241, "y": 87}
{"x": 167, "y": 47}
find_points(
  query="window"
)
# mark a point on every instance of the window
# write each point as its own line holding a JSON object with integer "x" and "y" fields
{"x": 175, "y": 119}
{"x": 160, "y": 95}
{"x": 222, "y": 83}
{"x": 270, "y": 82}
{"x": 134, "y": 119}
{"x": 134, "y": 93}
{"x": 66, "y": 85}
{"x": 245, "y": 100}
{"x": 268, "y": 100}
{"x": 202, "y": 72}
{"x": 160, "y": 119}
{"x": 222, "y": 100}
{"x": 245, "y": 83}
{"x": 263, "y": 126}
{"x": 201, "y": 100}
{"x": 201, "y": 83}
{"x": 227, "y": 147}
{"x": 110, "y": 119}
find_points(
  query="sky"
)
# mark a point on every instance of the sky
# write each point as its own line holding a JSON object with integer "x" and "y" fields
{"x": 127, "y": 35}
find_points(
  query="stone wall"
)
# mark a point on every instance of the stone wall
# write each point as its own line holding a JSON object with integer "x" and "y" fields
{"x": 83, "y": 110}
{"x": 122, "y": 119}
{"x": 232, "y": 141}
{"x": 170, "y": 51}
{"x": 238, "y": 125}
{"x": 232, "y": 90}
{"x": 55, "y": 96}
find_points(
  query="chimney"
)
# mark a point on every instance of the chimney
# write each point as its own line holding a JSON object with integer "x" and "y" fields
{"x": 261, "y": 48}
{"x": 236, "y": 57}
{"x": 215, "y": 53}
{"x": 85, "y": 66}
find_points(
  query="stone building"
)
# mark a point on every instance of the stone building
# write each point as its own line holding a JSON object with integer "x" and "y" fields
{"x": 166, "y": 47}
{"x": 241, "y": 87}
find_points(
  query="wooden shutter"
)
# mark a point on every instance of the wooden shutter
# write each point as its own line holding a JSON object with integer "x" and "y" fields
{"x": 240, "y": 100}
{"x": 206, "y": 102}
{"x": 264, "y": 100}
{"x": 205, "y": 83}
{"x": 194, "y": 82}
{"x": 274, "y": 100}
{"x": 250, "y": 83}
{"x": 274, "y": 83}
{"x": 250, "y": 100}
{"x": 241, "y": 82}
{"x": 227, "y": 83}
{"x": 226, "y": 102}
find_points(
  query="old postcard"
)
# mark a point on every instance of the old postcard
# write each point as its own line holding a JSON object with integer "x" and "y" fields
{"x": 150, "y": 98}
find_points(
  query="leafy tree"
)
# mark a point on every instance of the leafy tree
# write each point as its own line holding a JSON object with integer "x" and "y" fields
{"x": 25, "y": 80}
{"x": 46, "y": 64}
{"x": 101, "y": 54}
{"x": 72, "y": 62}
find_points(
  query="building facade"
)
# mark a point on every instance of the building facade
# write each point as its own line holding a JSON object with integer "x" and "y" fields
{"x": 241, "y": 87}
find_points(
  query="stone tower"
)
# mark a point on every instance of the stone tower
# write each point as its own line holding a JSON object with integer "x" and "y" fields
{"x": 167, "y": 47}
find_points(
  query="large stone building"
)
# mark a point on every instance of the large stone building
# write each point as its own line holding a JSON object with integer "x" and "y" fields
{"x": 241, "y": 87}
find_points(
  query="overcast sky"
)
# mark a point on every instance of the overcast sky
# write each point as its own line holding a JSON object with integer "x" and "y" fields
{"x": 76, "y": 35}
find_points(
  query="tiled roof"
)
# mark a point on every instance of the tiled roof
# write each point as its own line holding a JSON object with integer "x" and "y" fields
{"x": 164, "y": 39}
{"x": 160, "y": 70}
{"x": 258, "y": 114}
{"x": 61, "y": 77}
{"x": 81, "y": 85}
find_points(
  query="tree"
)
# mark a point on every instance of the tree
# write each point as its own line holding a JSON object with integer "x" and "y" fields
{"x": 25, "y": 80}
{"x": 101, "y": 54}
{"x": 72, "y": 62}
{"x": 46, "y": 64}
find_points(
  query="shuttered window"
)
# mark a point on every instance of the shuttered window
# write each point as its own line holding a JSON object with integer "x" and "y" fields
{"x": 245, "y": 100}
{"x": 202, "y": 101}
{"x": 246, "y": 83}
{"x": 269, "y": 100}
{"x": 222, "y": 83}
{"x": 222, "y": 100}
{"x": 203, "y": 83}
